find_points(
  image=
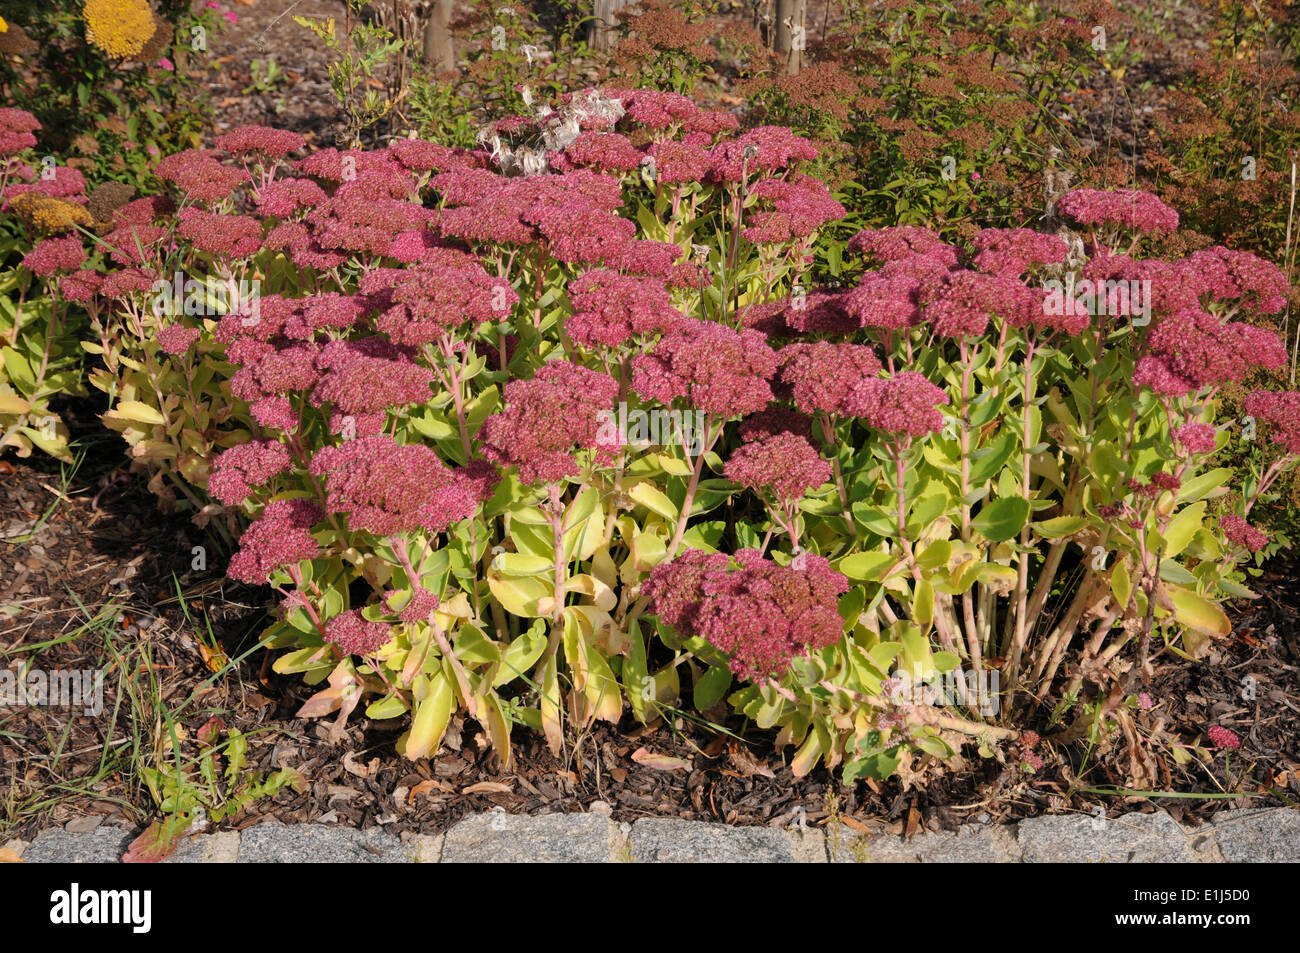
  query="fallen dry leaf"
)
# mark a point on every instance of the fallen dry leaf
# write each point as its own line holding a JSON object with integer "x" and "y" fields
{"x": 352, "y": 766}
{"x": 853, "y": 824}
{"x": 425, "y": 787}
{"x": 488, "y": 787}
{"x": 747, "y": 764}
{"x": 913, "y": 820}
{"x": 8, "y": 856}
{"x": 659, "y": 762}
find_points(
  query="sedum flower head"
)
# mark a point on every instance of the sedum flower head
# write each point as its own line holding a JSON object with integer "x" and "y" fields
{"x": 355, "y": 635}
{"x": 386, "y": 488}
{"x": 905, "y": 404}
{"x": 761, "y": 614}
{"x": 547, "y": 419}
{"x": 279, "y": 537}
{"x": 784, "y": 466}
{"x": 1130, "y": 208}
{"x": 820, "y": 375}
{"x": 712, "y": 367}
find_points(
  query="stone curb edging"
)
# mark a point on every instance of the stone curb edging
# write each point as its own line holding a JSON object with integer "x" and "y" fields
{"x": 1253, "y": 835}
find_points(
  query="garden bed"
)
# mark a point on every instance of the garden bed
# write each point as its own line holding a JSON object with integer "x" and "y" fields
{"x": 101, "y": 549}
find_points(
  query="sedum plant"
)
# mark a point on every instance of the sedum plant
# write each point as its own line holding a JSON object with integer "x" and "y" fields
{"x": 572, "y": 426}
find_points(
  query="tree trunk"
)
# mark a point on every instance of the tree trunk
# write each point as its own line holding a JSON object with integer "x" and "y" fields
{"x": 604, "y": 28}
{"x": 439, "y": 55}
{"x": 791, "y": 32}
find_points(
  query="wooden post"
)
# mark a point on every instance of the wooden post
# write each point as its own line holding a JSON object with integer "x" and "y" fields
{"x": 604, "y": 28}
{"x": 439, "y": 54}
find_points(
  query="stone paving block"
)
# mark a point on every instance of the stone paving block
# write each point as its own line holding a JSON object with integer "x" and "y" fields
{"x": 969, "y": 844}
{"x": 276, "y": 843}
{"x": 1258, "y": 836}
{"x": 104, "y": 845}
{"x": 666, "y": 840}
{"x": 425, "y": 848}
{"x": 221, "y": 847}
{"x": 497, "y": 837}
{"x": 1129, "y": 839}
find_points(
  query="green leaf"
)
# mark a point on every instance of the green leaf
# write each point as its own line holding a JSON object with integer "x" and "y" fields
{"x": 1121, "y": 585}
{"x": 390, "y": 706}
{"x": 1060, "y": 527}
{"x": 711, "y": 686}
{"x": 867, "y": 567}
{"x": 1197, "y": 612}
{"x": 1183, "y": 527}
{"x": 430, "y": 721}
{"x": 987, "y": 461}
{"x": 653, "y": 500}
{"x": 522, "y": 654}
{"x": 1002, "y": 519}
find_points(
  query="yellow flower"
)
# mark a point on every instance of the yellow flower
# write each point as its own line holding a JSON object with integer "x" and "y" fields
{"x": 47, "y": 213}
{"x": 120, "y": 28}
{"x": 4, "y": 27}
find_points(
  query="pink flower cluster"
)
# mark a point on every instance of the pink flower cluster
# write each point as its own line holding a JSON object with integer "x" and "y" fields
{"x": 962, "y": 306}
{"x": 819, "y": 376}
{"x": 602, "y": 151}
{"x": 261, "y": 141}
{"x": 784, "y": 466}
{"x": 1130, "y": 208}
{"x": 761, "y": 614}
{"x": 1280, "y": 411}
{"x": 200, "y": 174}
{"x": 547, "y": 418}
{"x": 387, "y": 488}
{"x": 448, "y": 289}
{"x": 801, "y": 206}
{"x": 370, "y": 374}
{"x": 356, "y": 635}
{"x": 236, "y": 236}
{"x": 1221, "y": 737}
{"x": 678, "y": 162}
{"x": 421, "y": 604}
{"x": 176, "y": 339}
{"x": 54, "y": 255}
{"x": 1227, "y": 275}
{"x": 712, "y": 367}
{"x": 905, "y": 404}
{"x": 285, "y": 197}
{"x": 1240, "y": 533}
{"x": 764, "y": 149}
{"x": 1195, "y": 438}
{"x": 1193, "y": 349}
{"x": 1015, "y": 251}
{"x": 279, "y": 537}
{"x": 16, "y": 128}
{"x": 899, "y": 242}
{"x": 241, "y": 468}
{"x": 609, "y": 309}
